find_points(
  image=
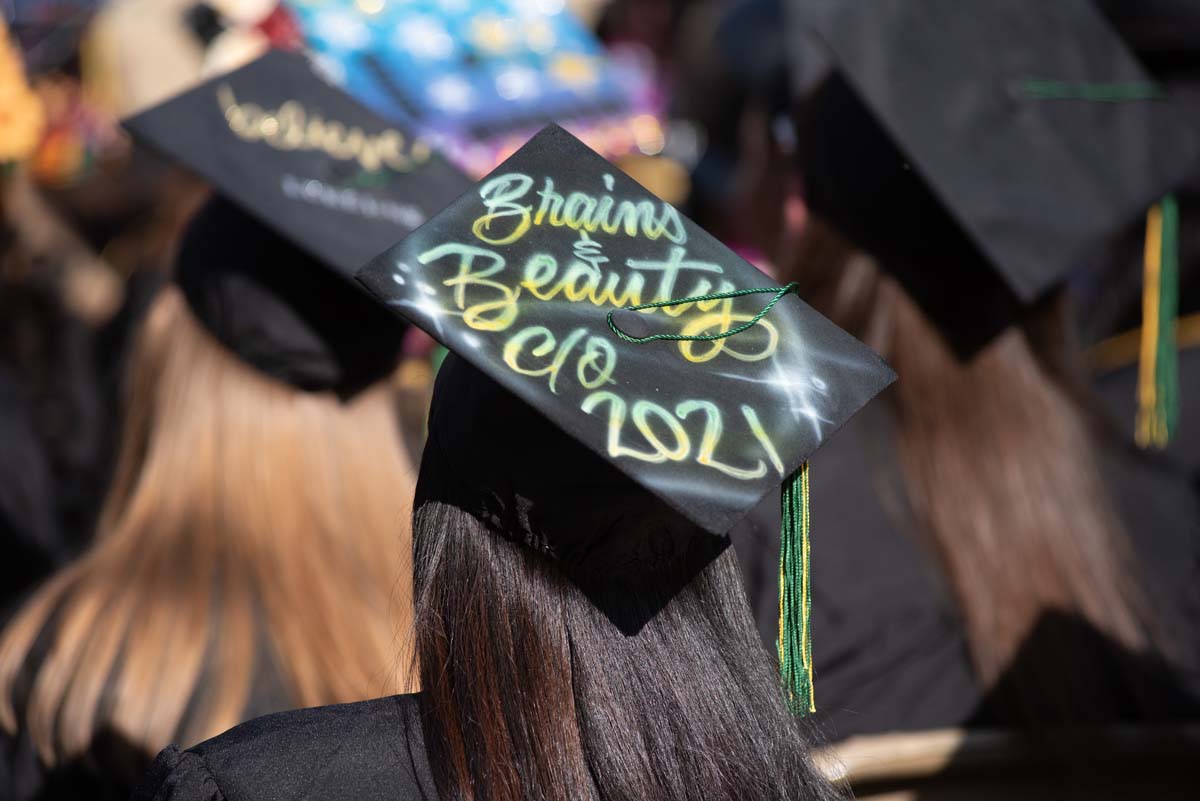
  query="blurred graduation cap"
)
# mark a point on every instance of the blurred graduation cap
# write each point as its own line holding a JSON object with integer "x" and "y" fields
{"x": 622, "y": 388}
{"x": 310, "y": 184}
{"x": 982, "y": 151}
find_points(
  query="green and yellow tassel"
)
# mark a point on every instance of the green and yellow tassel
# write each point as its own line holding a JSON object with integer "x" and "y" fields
{"x": 795, "y": 590}
{"x": 1158, "y": 371}
{"x": 795, "y": 596}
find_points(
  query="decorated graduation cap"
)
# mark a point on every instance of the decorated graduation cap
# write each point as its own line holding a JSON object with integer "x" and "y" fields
{"x": 622, "y": 389}
{"x": 983, "y": 151}
{"x": 309, "y": 185}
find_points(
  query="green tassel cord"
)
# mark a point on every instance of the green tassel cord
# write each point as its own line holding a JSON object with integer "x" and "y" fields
{"x": 438, "y": 356}
{"x": 1049, "y": 89}
{"x": 1158, "y": 370}
{"x": 795, "y": 589}
{"x": 795, "y": 596}
{"x": 777, "y": 291}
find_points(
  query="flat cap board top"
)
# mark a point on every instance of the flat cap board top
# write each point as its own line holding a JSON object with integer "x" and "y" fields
{"x": 304, "y": 158}
{"x": 519, "y": 277}
{"x": 1031, "y": 121}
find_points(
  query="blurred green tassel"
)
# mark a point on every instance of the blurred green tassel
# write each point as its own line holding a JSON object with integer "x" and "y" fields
{"x": 795, "y": 596}
{"x": 1158, "y": 371}
{"x": 437, "y": 357}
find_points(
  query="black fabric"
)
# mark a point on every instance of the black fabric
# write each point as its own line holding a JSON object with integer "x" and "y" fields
{"x": 948, "y": 92}
{"x": 53, "y": 357}
{"x": 889, "y": 646}
{"x": 857, "y": 179}
{"x": 368, "y": 751}
{"x": 1118, "y": 389}
{"x": 1157, "y": 28}
{"x": 1159, "y": 503}
{"x": 750, "y": 38}
{"x": 279, "y": 309}
{"x": 112, "y": 766}
{"x": 30, "y": 538}
{"x": 109, "y": 771}
{"x": 552, "y": 494}
{"x": 889, "y": 651}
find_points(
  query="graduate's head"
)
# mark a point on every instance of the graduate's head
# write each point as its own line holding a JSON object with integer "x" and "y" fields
{"x": 252, "y": 549}
{"x": 525, "y": 480}
{"x": 986, "y": 161}
{"x": 604, "y": 673}
{"x": 528, "y": 687}
{"x": 956, "y": 191}
{"x": 581, "y": 626}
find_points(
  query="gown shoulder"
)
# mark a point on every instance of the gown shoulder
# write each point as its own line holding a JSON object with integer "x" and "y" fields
{"x": 368, "y": 751}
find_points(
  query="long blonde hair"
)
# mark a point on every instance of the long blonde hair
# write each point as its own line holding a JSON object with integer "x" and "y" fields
{"x": 1001, "y": 471}
{"x": 247, "y": 522}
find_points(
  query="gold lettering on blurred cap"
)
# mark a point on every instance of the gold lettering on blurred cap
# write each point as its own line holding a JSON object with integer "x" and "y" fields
{"x": 293, "y": 127}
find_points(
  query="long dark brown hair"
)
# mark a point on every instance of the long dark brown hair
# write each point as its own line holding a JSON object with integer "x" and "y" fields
{"x": 530, "y": 692}
{"x": 1001, "y": 462}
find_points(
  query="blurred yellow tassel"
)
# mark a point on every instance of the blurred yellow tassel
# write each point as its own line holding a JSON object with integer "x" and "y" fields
{"x": 1158, "y": 391}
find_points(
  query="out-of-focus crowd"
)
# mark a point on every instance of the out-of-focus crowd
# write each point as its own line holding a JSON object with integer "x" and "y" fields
{"x": 1005, "y": 552}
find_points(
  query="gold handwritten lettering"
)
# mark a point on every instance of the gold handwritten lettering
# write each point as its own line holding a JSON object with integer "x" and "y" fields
{"x": 512, "y": 350}
{"x": 670, "y": 269}
{"x": 492, "y": 315}
{"x": 499, "y": 197}
{"x": 292, "y": 127}
{"x": 598, "y": 355}
{"x": 720, "y": 322}
{"x": 616, "y": 419}
{"x": 586, "y": 281}
{"x": 642, "y": 410}
{"x": 760, "y": 434}
{"x": 578, "y": 211}
{"x": 712, "y": 436}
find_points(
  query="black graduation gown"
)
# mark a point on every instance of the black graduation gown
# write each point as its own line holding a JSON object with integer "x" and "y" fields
{"x": 1117, "y": 390}
{"x": 111, "y": 767}
{"x": 30, "y": 537}
{"x": 889, "y": 647}
{"x": 889, "y": 652}
{"x": 367, "y": 751}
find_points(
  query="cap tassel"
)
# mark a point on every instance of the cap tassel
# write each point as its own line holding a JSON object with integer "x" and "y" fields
{"x": 795, "y": 596}
{"x": 1158, "y": 372}
{"x": 795, "y": 592}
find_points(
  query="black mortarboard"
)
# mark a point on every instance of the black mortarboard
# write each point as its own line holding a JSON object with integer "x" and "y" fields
{"x": 653, "y": 445}
{"x": 310, "y": 185}
{"x": 983, "y": 150}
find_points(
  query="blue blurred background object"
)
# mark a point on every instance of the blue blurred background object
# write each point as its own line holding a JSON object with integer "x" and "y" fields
{"x": 476, "y": 66}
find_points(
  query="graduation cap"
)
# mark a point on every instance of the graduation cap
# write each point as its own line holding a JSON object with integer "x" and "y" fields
{"x": 982, "y": 151}
{"x": 622, "y": 388}
{"x": 310, "y": 184}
